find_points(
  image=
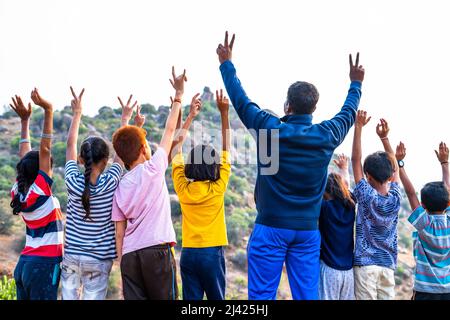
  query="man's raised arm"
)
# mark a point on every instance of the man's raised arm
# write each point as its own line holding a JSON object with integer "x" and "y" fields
{"x": 344, "y": 120}
{"x": 249, "y": 112}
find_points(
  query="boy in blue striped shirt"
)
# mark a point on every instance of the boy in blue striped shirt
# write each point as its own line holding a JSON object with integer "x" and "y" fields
{"x": 431, "y": 219}
{"x": 378, "y": 197}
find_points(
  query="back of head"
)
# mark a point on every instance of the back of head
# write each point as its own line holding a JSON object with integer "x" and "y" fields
{"x": 435, "y": 197}
{"x": 338, "y": 190}
{"x": 302, "y": 97}
{"x": 380, "y": 166}
{"x": 93, "y": 151}
{"x": 203, "y": 164}
{"x": 27, "y": 170}
{"x": 127, "y": 142}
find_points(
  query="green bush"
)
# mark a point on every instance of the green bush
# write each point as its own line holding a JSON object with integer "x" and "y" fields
{"x": 59, "y": 154}
{"x": 240, "y": 259}
{"x": 7, "y": 219}
{"x": 175, "y": 208}
{"x": 177, "y": 227}
{"x": 238, "y": 225}
{"x": 7, "y": 289}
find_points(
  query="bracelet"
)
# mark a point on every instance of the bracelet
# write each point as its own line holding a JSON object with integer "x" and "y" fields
{"x": 385, "y": 138}
{"x": 177, "y": 100}
{"x": 47, "y": 136}
{"x": 445, "y": 162}
{"x": 24, "y": 141}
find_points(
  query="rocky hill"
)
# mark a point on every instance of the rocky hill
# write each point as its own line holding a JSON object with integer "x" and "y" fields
{"x": 240, "y": 207}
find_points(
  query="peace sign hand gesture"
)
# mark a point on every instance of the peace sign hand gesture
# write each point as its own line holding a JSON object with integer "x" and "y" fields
{"x": 225, "y": 51}
{"x": 18, "y": 106}
{"x": 76, "y": 101}
{"x": 139, "y": 119}
{"x": 127, "y": 109}
{"x": 356, "y": 70}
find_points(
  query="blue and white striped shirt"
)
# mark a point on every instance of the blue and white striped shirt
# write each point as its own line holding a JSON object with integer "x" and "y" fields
{"x": 431, "y": 251}
{"x": 376, "y": 226}
{"x": 96, "y": 237}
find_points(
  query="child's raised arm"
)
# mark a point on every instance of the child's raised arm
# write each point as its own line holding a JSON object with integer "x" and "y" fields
{"x": 24, "y": 114}
{"x": 182, "y": 131}
{"x": 407, "y": 185}
{"x": 171, "y": 122}
{"x": 223, "y": 104}
{"x": 383, "y": 132}
{"x": 72, "y": 138}
{"x": 361, "y": 121}
{"x": 342, "y": 163}
{"x": 442, "y": 156}
{"x": 127, "y": 113}
{"x": 47, "y": 133}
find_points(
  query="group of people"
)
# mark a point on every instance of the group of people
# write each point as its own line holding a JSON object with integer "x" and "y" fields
{"x": 306, "y": 216}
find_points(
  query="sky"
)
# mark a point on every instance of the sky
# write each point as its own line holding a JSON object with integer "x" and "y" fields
{"x": 116, "y": 48}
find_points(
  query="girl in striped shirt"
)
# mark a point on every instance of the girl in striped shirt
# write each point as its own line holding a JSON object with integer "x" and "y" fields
{"x": 90, "y": 234}
{"x": 37, "y": 271}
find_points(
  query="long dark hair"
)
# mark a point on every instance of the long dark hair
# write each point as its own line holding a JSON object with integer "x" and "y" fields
{"x": 337, "y": 189}
{"x": 203, "y": 164}
{"x": 27, "y": 170}
{"x": 93, "y": 150}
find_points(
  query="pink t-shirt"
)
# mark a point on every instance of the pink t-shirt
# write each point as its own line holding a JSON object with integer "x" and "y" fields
{"x": 142, "y": 198}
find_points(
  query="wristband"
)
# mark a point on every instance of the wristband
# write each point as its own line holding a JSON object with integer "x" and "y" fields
{"x": 445, "y": 162}
{"x": 385, "y": 138}
{"x": 24, "y": 141}
{"x": 177, "y": 100}
{"x": 47, "y": 136}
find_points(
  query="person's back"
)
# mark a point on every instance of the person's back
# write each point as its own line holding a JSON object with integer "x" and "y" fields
{"x": 293, "y": 157}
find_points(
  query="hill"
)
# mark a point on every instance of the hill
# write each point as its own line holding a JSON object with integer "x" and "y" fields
{"x": 239, "y": 203}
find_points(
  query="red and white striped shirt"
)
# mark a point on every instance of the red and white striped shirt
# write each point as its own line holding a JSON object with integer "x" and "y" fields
{"x": 42, "y": 215}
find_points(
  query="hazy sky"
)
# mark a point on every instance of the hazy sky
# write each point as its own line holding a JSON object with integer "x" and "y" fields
{"x": 120, "y": 47}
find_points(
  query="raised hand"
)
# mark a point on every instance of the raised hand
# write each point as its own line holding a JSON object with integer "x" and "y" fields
{"x": 128, "y": 108}
{"x": 383, "y": 129}
{"x": 41, "y": 102}
{"x": 362, "y": 119}
{"x": 400, "y": 152}
{"x": 196, "y": 106}
{"x": 178, "y": 81}
{"x": 225, "y": 51}
{"x": 443, "y": 153}
{"x": 139, "y": 119}
{"x": 342, "y": 162}
{"x": 356, "y": 70}
{"x": 222, "y": 101}
{"x": 18, "y": 106}
{"x": 76, "y": 101}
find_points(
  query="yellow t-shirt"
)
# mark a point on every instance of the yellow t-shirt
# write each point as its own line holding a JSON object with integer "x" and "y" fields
{"x": 202, "y": 205}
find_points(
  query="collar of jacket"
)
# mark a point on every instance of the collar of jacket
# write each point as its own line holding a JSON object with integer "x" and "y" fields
{"x": 298, "y": 119}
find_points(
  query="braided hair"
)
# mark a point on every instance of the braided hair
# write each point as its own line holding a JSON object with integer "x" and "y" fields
{"x": 27, "y": 170}
{"x": 93, "y": 150}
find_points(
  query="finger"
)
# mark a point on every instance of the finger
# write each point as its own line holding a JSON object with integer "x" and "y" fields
{"x": 138, "y": 110}
{"x": 19, "y": 101}
{"x": 221, "y": 94}
{"x": 194, "y": 98}
{"x": 172, "y": 83}
{"x": 173, "y": 72}
{"x": 368, "y": 119}
{"x": 81, "y": 94}
{"x": 73, "y": 92}
{"x": 357, "y": 59}
{"x": 226, "y": 39}
{"x": 217, "y": 95}
{"x": 134, "y": 105}
{"x": 184, "y": 75}
{"x": 29, "y": 107}
{"x": 12, "y": 107}
{"x": 171, "y": 100}
{"x": 121, "y": 103}
{"x": 350, "y": 60}
{"x": 14, "y": 101}
{"x": 129, "y": 100}
{"x": 437, "y": 153}
{"x": 232, "y": 42}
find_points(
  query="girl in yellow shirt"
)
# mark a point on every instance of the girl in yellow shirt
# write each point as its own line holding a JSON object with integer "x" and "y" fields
{"x": 201, "y": 185}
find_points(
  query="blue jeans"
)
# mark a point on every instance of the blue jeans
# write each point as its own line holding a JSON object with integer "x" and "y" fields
{"x": 86, "y": 274}
{"x": 37, "y": 280}
{"x": 269, "y": 248}
{"x": 203, "y": 271}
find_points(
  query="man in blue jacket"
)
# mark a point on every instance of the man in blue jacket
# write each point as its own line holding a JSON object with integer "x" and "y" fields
{"x": 289, "y": 200}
